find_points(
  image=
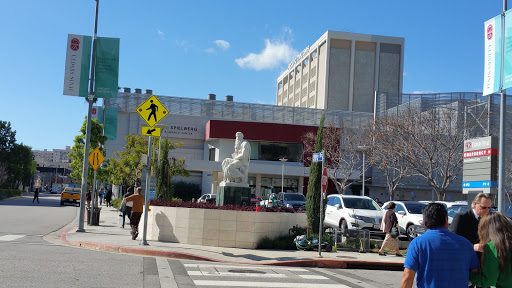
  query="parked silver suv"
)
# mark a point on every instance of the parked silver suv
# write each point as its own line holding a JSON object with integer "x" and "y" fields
{"x": 350, "y": 212}
{"x": 296, "y": 201}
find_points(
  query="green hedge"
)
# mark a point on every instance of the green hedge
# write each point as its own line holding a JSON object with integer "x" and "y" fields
{"x": 7, "y": 193}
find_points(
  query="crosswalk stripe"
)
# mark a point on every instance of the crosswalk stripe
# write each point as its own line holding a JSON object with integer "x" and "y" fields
{"x": 165, "y": 273}
{"x": 348, "y": 279}
{"x": 316, "y": 277}
{"x": 11, "y": 237}
{"x": 264, "y": 284}
{"x": 248, "y": 266}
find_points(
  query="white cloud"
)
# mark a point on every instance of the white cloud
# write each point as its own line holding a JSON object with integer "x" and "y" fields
{"x": 273, "y": 55}
{"x": 160, "y": 33}
{"x": 210, "y": 50}
{"x": 222, "y": 44}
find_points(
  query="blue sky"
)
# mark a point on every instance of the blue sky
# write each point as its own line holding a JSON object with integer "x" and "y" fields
{"x": 239, "y": 48}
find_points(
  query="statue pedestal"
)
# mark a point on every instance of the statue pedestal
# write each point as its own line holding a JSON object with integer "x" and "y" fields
{"x": 234, "y": 195}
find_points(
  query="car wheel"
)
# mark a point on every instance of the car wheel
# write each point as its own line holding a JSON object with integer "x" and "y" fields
{"x": 410, "y": 232}
{"x": 343, "y": 227}
{"x": 61, "y": 203}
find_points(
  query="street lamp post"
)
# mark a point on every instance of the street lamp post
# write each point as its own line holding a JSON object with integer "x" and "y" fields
{"x": 363, "y": 148}
{"x": 282, "y": 173}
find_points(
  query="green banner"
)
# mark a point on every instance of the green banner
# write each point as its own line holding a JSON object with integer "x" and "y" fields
{"x": 110, "y": 123}
{"x": 106, "y": 68}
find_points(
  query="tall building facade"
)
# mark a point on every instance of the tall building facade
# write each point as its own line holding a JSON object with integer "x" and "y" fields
{"x": 342, "y": 71}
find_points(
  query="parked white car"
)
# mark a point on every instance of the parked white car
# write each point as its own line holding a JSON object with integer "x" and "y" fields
{"x": 351, "y": 212}
{"x": 408, "y": 214}
{"x": 210, "y": 198}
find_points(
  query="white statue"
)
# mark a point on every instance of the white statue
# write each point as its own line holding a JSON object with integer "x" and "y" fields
{"x": 236, "y": 169}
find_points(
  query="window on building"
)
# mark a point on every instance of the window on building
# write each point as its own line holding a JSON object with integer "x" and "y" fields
{"x": 211, "y": 154}
{"x": 273, "y": 151}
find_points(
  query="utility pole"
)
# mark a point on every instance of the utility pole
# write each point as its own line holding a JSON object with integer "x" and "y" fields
{"x": 503, "y": 102}
{"x": 90, "y": 99}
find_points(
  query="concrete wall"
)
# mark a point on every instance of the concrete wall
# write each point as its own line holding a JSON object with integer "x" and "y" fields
{"x": 221, "y": 228}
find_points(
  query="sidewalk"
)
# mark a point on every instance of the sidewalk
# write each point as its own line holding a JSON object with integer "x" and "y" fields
{"x": 108, "y": 236}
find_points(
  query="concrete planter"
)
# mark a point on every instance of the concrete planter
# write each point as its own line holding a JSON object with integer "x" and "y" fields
{"x": 214, "y": 227}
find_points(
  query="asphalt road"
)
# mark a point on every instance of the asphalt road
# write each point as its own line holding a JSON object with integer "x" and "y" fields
{"x": 32, "y": 255}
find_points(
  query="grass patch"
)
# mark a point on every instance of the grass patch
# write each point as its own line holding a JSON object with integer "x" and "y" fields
{"x": 8, "y": 193}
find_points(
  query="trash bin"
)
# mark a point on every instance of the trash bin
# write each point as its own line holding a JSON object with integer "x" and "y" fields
{"x": 93, "y": 218}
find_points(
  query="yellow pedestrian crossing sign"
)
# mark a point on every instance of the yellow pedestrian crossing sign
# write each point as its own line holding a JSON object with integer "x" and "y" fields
{"x": 96, "y": 158}
{"x": 150, "y": 131}
{"x": 152, "y": 111}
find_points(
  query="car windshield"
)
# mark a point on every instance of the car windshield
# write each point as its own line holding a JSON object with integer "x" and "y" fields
{"x": 360, "y": 203}
{"x": 294, "y": 197}
{"x": 415, "y": 208}
{"x": 456, "y": 209}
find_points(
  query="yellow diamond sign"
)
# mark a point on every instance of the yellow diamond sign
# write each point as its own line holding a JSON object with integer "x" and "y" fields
{"x": 152, "y": 111}
{"x": 96, "y": 158}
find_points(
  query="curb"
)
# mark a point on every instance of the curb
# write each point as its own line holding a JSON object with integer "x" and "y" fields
{"x": 311, "y": 263}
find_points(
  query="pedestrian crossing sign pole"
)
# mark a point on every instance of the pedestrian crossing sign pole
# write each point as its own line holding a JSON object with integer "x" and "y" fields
{"x": 152, "y": 111}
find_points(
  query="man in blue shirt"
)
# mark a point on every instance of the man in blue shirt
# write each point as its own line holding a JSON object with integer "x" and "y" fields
{"x": 439, "y": 257}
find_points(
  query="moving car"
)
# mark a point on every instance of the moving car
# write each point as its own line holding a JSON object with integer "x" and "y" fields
{"x": 408, "y": 214}
{"x": 351, "y": 212}
{"x": 296, "y": 201}
{"x": 70, "y": 195}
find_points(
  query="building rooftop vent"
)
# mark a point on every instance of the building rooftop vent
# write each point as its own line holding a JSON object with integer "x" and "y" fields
{"x": 148, "y": 91}
{"x": 212, "y": 97}
{"x": 137, "y": 90}
{"x": 229, "y": 98}
{"x": 126, "y": 90}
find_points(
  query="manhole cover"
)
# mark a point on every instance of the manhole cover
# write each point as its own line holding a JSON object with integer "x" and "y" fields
{"x": 348, "y": 257}
{"x": 246, "y": 271}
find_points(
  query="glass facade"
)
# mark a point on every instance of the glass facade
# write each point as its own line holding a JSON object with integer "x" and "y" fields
{"x": 272, "y": 151}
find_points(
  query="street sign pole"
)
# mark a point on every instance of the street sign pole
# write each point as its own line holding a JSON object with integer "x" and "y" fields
{"x": 321, "y": 211}
{"x": 88, "y": 128}
{"x": 503, "y": 102}
{"x": 146, "y": 194}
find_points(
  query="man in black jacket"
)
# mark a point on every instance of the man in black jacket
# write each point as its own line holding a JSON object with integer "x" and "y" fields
{"x": 465, "y": 224}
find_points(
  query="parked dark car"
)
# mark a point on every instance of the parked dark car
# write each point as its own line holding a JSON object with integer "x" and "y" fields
{"x": 296, "y": 201}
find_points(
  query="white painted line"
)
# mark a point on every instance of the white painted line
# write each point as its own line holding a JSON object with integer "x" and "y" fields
{"x": 348, "y": 279}
{"x": 234, "y": 274}
{"x": 260, "y": 267}
{"x": 195, "y": 273}
{"x": 313, "y": 277}
{"x": 265, "y": 284}
{"x": 165, "y": 273}
{"x": 11, "y": 237}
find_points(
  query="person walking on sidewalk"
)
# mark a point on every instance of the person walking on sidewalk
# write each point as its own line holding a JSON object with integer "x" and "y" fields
{"x": 108, "y": 197}
{"x": 389, "y": 221}
{"x": 88, "y": 198}
{"x": 439, "y": 258}
{"x": 138, "y": 205}
{"x": 126, "y": 208}
{"x": 36, "y": 195}
{"x": 101, "y": 195}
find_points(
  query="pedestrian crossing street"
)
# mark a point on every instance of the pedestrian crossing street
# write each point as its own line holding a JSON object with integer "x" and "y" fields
{"x": 201, "y": 275}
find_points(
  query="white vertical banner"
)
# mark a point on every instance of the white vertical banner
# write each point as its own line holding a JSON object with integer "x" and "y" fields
{"x": 492, "y": 68}
{"x": 78, "y": 62}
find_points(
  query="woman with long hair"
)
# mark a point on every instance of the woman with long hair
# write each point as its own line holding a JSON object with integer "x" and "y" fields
{"x": 389, "y": 221}
{"x": 495, "y": 233}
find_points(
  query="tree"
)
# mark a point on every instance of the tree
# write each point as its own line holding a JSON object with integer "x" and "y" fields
{"x": 315, "y": 178}
{"x": 97, "y": 140}
{"x": 20, "y": 167}
{"x": 126, "y": 167}
{"x": 166, "y": 170}
{"x": 391, "y": 164}
{"x": 7, "y": 141}
{"x": 342, "y": 153}
{"x": 429, "y": 143}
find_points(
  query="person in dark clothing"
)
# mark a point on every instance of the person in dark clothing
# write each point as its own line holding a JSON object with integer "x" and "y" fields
{"x": 465, "y": 224}
{"x": 108, "y": 197}
{"x": 36, "y": 195}
{"x": 88, "y": 198}
{"x": 127, "y": 210}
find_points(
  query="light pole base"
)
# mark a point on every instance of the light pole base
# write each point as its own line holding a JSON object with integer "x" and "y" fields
{"x": 144, "y": 243}
{"x": 80, "y": 230}
{"x": 320, "y": 256}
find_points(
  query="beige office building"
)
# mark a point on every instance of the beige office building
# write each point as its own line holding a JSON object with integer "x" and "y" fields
{"x": 342, "y": 71}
